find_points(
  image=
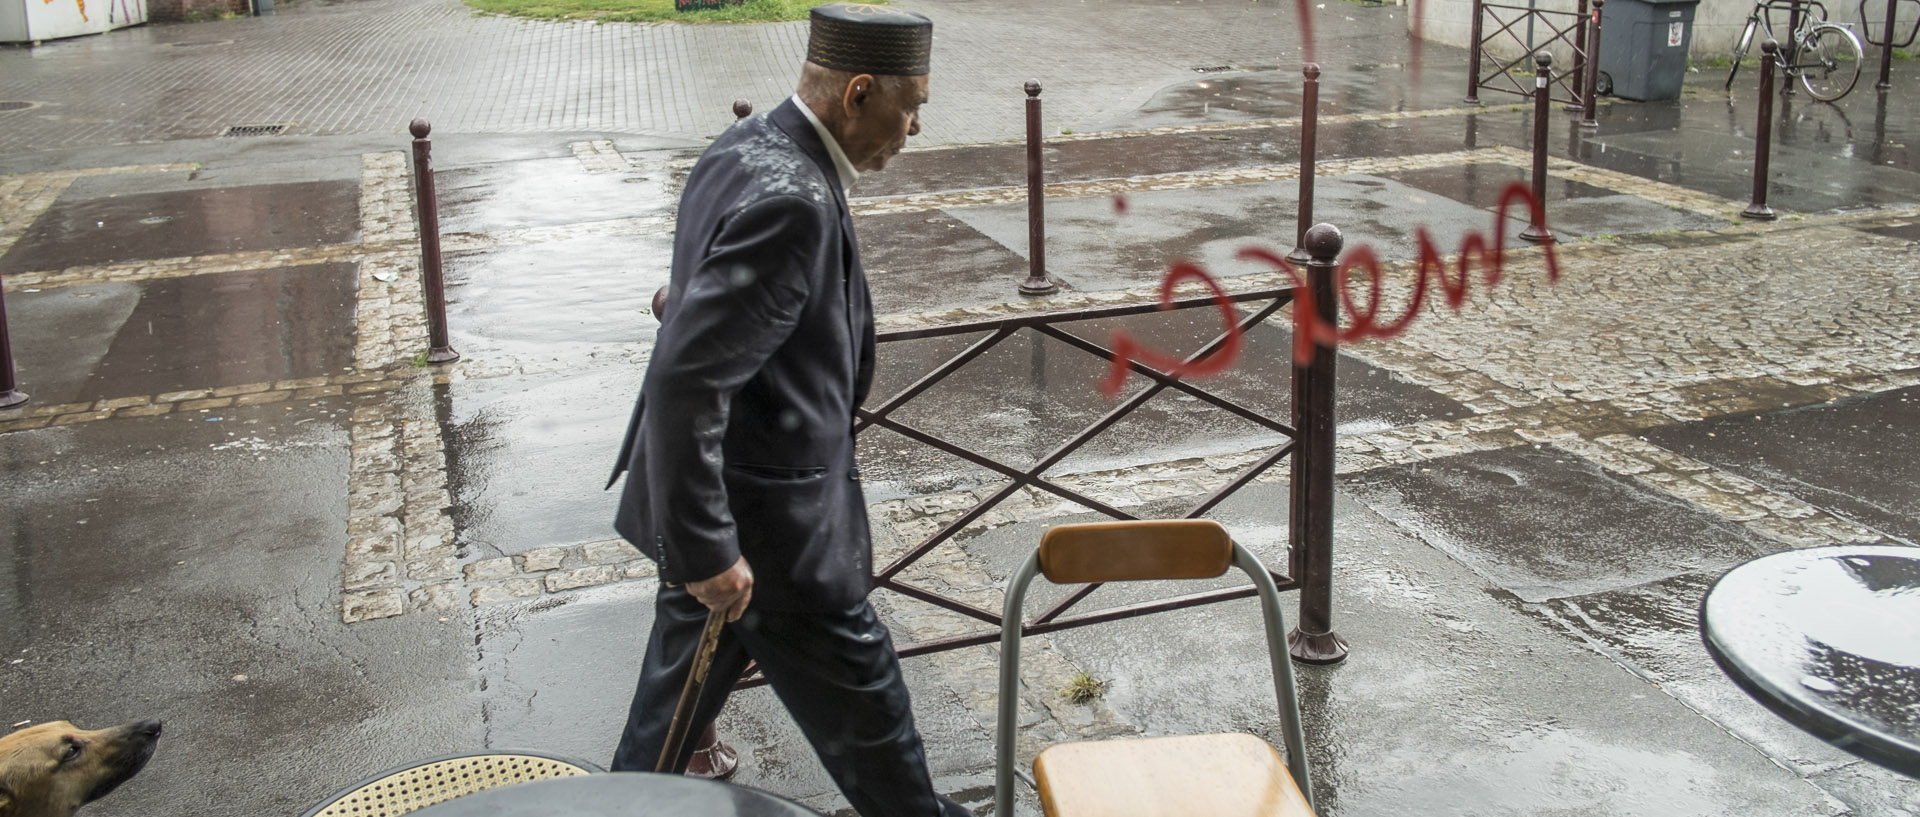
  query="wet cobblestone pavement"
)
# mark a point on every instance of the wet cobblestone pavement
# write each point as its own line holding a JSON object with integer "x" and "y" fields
{"x": 241, "y": 501}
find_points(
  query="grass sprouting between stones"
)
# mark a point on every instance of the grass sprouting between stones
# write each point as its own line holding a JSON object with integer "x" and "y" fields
{"x": 1083, "y": 688}
{"x": 653, "y": 11}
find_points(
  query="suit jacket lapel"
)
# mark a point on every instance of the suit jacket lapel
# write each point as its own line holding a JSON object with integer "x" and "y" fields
{"x": 788, "y": 118}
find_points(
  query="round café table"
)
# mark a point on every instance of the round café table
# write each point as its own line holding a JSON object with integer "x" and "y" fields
{"x": 619, "y": 793}
{"x": 1828, "y": 638}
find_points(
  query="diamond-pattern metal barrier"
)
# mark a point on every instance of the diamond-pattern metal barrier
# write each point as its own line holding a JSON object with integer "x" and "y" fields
{"x": 1310, "y": 484}
{"x": 1525, "y": 31}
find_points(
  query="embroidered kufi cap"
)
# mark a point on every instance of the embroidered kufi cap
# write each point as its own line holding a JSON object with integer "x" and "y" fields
{"x": 865, "y": 39}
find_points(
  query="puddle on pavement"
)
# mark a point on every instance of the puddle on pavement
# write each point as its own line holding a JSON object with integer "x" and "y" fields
{"x": 561, "y": 298}
{"x": 546, "y": 192}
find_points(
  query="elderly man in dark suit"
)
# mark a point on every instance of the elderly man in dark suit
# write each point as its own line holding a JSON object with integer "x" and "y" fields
{"x": 740, "y": 457}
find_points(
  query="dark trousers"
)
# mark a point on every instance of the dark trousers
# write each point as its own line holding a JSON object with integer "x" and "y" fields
{"x": 837, "y": 675}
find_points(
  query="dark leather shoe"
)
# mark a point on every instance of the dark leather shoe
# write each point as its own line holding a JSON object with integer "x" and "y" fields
{"x": 713, "y": 760}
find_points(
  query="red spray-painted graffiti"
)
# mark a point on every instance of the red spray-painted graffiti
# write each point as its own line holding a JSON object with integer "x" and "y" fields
{"x": 1362, "y": 323}
{"x": 81, "y": 3}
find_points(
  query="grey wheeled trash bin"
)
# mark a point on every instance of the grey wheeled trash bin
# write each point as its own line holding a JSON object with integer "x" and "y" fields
{"x": 1643, "y": 47}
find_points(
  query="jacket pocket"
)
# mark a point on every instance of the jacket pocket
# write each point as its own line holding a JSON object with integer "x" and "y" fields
{"x": 778, "y": 473}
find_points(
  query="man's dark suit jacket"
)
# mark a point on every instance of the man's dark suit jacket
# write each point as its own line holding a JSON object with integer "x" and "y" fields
{"x": 741, "y": 443}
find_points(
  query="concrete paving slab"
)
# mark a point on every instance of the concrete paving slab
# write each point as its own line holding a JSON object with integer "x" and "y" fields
{"x": 564, "y": 298}
{"x": 1654, "y": 630}
{"x": 1871, "y": 790}
{"x": 917, "y": 260}
{"x": 240, "y": 169}
{"x": 528, "y": 457}
{"x": 143, "y": 226}
{"x": 1910, "y": 232}
{"x": 1482, "y": 183}
{"x": 61, "y": 336}
{"x": 187, "y": 570}
{"x": 1803, "y": 179}
{"x": 115, "y": 340}
{"x": 1852, "y": 456}
{"x": 1092, "y": 248}
{"x": 482, "y": 198}
{"x": 1574, "y": 209}
{"x": 1542, "y": 524}
{"x": 538, "y": 693}
{"x": 1622, "y": 215}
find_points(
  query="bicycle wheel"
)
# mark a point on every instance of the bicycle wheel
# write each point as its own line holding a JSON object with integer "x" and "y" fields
{"x": 1740, "y": 49}
{"x": 1829, "y": 62}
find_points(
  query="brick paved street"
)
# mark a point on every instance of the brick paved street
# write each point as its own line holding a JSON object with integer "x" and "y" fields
{"x": 245, "y": 505}
{"x": 370, "y": 66}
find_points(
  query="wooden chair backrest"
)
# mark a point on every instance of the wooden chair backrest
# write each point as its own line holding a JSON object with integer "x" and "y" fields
{"x": 1135, "y": 549}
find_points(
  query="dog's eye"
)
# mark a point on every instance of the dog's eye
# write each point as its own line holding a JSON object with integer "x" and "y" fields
{"x": 73, "y": 751}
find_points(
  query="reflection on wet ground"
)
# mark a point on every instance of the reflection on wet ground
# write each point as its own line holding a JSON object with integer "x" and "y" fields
{"x": 1090, "y": 247}
{"x": 205, "y": 331}
{"x": 1543, "y": 524}
{"x": 559, "y": 298}
{"x": 528, "y": 458}
{"x": 540, "y": 193}
{"x": 1792, "y": 629}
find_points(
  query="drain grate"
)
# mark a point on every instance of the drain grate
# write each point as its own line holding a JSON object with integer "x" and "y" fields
{"x": 1212, "y": 69}
{"x": 255, "y": 130}
{"x": 15, "y": 105}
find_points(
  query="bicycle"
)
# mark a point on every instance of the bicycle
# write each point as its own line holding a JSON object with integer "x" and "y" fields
{"x": 1825, "y": 56}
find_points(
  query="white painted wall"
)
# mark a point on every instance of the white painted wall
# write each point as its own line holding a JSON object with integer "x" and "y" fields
{"x": 1717, "y": 23}
{"x": 35, "y": 20}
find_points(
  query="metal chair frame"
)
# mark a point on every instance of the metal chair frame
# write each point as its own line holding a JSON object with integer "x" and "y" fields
{"x": 1277, "y": 657}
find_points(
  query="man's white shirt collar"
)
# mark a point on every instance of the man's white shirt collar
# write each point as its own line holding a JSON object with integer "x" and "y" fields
{"x": 840, "y": 163}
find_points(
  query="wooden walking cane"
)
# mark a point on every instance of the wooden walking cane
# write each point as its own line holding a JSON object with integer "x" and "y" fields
{"x": 690, "y": 694}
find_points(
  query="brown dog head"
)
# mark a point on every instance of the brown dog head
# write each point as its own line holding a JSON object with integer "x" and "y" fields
{"x": 52, "y": 769}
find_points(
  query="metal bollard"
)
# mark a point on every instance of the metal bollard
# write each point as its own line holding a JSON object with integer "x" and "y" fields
{"x": 9, "y": 395}
{"x": 1886, "y": 49}
{"x": 1037, "y": 282}
{"x": 1473, "y": 59}
{"x": 1543, "y": 69}
{"x": 1763, "y": 139}
{"x": 1309, "y": 133}
{"x": 1310, "y": 505}
{"x": 438, "y": 348}
{"x": 1593, "y": 68}
{"x": 742, "y": 109}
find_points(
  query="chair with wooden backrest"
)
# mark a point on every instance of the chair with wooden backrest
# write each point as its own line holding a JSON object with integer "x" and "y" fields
{"x": 423, "y": 783}
{"x": 1227, "y": 775}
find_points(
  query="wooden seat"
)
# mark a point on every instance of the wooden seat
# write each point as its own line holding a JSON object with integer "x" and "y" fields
{"x": 423, "y": 783}
{"x": 1231, "y": 775}
{"x": 1228, "y": 775}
